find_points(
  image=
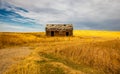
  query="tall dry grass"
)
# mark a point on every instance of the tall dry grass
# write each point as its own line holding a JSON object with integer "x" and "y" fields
{"x": 103, "y": 56}
{"x": 8, "y": 39}
{"x": 91, "y": 52}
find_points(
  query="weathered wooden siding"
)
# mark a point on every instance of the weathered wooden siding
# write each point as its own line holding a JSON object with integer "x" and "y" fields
{"x": 59, "y": 30}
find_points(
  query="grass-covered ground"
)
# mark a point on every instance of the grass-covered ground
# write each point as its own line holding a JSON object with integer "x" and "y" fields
{"x": 87, "y": 52}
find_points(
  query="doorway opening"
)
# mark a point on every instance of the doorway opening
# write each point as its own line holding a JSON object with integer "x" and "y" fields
{"x": 67, "y": 33}
{"x": 52, "y": 33}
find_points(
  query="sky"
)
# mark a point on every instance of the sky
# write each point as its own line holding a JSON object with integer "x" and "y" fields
{"x": 33, "y": 15}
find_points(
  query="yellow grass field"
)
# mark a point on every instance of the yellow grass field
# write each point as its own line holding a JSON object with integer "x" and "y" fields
{"x": 87, "y": 52}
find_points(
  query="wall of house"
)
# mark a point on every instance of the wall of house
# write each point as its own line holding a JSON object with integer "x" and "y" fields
{"x": 60, "y": 33}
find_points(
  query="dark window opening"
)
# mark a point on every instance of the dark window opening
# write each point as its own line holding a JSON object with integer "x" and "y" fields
{"x": 67, "y": 33}
{"x": 52, "y": 33}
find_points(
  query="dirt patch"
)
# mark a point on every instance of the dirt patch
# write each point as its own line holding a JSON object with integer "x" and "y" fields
{"x": 10, "y": 56}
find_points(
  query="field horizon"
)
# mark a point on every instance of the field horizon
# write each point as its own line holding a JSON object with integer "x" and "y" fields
{"x": 86, "y": 52}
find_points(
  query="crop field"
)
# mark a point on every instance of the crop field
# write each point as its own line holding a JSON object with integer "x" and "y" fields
{"x": 86, "y": 52}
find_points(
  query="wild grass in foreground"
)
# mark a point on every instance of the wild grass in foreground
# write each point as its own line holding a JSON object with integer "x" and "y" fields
{"x": 79, "y": 54}
{"x": 8, "y": 39}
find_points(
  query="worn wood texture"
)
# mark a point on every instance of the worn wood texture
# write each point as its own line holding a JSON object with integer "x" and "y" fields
{"x": 59, "y": 30}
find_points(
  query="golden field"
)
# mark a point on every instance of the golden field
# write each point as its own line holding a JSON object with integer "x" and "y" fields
{"x": 87, "y": 52}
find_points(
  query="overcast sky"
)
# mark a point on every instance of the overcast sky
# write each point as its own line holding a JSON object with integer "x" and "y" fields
{"x": 33, "y": 15}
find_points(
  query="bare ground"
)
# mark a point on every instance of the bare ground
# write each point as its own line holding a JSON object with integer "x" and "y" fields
{"x": 10, "y": 56}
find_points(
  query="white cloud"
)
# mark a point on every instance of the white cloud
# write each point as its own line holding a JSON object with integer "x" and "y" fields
{"x": 69, "y": 11}
{"x": 98, "y": 10}
{"x": 5, "y": 27}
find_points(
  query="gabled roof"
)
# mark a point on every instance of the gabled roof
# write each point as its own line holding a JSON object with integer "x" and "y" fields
{"x": 59, "y": 27}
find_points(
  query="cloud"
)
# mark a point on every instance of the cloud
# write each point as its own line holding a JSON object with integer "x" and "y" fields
{"x": 7, "y": 27}
{"x": 11, "y": 17}
{"x": 84, "y": 14}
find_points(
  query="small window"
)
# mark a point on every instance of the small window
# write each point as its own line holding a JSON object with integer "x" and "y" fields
{"x": 64, "y": 24}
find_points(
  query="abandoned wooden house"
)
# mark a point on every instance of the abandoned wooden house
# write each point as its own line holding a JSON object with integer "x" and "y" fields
{"x": 59, "y": 30}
